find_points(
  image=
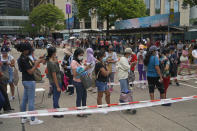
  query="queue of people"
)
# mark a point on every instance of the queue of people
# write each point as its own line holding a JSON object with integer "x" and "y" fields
{"x": 155, "y": 65}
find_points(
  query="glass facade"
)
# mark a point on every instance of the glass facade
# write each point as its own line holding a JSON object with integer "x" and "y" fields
{"x": 157, "y": 6}
{"x": 167, "y": 6}
{"x": 176, "y": 6}
{"x": 147, "y": 3}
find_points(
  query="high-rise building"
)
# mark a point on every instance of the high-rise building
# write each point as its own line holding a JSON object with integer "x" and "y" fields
{"x": 12, "y": 15}
{"x": 25, "y": 5}
{"x": 6, "y": 5}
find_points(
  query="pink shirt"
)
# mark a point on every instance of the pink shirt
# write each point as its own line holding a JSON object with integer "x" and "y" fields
{"x": 74, "y": 65}
{"x": 185, "y": 52}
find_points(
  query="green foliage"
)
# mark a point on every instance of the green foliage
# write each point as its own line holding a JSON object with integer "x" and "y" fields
{"x": 46, "y": 17}
{"x": 190, "y": 2}
{"x": 111, "y": 10}
{"x": 193, "y": 21}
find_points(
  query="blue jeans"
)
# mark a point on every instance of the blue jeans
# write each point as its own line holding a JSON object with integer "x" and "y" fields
{"x": 81, "y": 94}
{"x": 10, "y": 69}
{"x": 28, "y": 96}
{"x": 124, "y": 85}
{"x": 56, "y": 95}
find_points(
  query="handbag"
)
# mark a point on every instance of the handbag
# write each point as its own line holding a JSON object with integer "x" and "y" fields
{"x": 86, "y": 80}
{"x": 131, "y": 76}
{"x": 16, "y": 77}
{"x": 37, "y": 73}
{"x": 5, "y": 78}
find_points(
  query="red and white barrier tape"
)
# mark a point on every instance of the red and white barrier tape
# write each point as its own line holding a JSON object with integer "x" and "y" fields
{"x": 97, "y": 108}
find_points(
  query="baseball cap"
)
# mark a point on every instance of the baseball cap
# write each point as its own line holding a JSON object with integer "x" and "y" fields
{"x": 128, "y": 50}
{"x": 153, "y": 48}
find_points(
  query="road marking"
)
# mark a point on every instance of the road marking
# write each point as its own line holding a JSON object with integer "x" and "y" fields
{"x": 188, "y": 85}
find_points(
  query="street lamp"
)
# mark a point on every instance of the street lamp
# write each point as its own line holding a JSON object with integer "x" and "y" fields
{"x": 68, "y": 11}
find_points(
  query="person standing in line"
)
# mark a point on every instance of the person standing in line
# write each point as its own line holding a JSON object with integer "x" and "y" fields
{"x": 80, "y": 89}
{"x": 184, "y": 61}
{"x": 66, "y": 65}
{"x": 102, "y": 73}
{"x": 165, "y": 70}
{"x": 173, "y": 64}
{"x": 133, "y": 62}
{"x": 154, "y": 75}
{"x": 8, "y": 61}
{"x": 3, "y": 83}
{"x": 194, "y": 54}
{"x": 123, "y": 74}
{"x": 54, "y": 76}
{"x": 91, "y": 60}
{"x": 27, "y": 67}
{"x": 112, "y": 59}
{"x": 141, "y": 68}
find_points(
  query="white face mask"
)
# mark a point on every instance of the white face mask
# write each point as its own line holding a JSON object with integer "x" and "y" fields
{"x": 80, "y": 58}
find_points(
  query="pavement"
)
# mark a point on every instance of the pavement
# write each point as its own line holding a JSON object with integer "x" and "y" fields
{"x": 180, "y": 116}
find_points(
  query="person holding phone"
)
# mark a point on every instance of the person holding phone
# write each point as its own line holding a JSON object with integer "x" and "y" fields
{"x": 27, "y": 67}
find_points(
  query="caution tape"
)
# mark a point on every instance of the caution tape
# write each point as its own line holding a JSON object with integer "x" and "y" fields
{"x": 97, "y": 108}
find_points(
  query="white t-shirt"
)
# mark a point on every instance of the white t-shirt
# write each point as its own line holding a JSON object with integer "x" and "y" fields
{"x": 9, "y": 58}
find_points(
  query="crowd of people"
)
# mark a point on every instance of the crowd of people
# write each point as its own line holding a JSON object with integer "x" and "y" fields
{"x": 88, "y": 69}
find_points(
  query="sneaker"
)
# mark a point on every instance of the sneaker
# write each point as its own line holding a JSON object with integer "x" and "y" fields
{"x": 82, "y": 115}
{"x": 25, "y": 120}
{"x": 177, "y": 84}
{"x": 134, "y": 112}
{"x": 1, "y": 122}
{"x": 12, "y": 98}
{"x": 58, "y": 116}
{"x": 168, "y": 104}
{"x": 36, "y": 122}
{"x": 70, "y": 94}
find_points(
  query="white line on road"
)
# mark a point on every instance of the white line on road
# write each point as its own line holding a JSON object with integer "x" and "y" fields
{"x": 188, "y": 85}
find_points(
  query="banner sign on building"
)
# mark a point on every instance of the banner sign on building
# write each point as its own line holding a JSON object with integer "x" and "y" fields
{"x": 70, "y": 23}
{"x": 68, "y": 8}
{"x": 150, "y": 21}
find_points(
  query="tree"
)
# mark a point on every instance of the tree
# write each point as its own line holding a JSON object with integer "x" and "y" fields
{"x": 112, "y": 10}
{"x": 45, "y": 18}
{"x": 190, "y": 2}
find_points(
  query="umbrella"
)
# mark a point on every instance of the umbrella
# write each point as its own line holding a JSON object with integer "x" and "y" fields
{"x": 37, "y": 38}
{"x": 42, "y": 38}
{"x": 71, "y": 38}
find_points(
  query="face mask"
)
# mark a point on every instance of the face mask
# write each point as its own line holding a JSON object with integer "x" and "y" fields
{"x": 80, "y": 58}
{"x": 186, "y": 48}
{"x": 141, "y": 51}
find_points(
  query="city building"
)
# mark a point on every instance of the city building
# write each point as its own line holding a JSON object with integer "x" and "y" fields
{"x": 7, "y": 5}
{"x": 12, "y": 16}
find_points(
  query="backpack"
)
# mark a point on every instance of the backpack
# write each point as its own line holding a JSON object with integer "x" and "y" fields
{"x": 163, "y": 66}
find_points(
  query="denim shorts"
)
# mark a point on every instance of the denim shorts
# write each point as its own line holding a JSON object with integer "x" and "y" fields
{"x": 101, "y": 86}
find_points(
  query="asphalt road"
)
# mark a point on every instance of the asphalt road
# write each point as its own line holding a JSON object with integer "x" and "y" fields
{"x": 180, "y": 116}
